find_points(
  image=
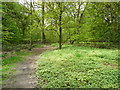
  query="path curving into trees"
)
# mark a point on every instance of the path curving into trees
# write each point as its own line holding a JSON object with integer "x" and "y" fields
{"x": 24, "y": 76}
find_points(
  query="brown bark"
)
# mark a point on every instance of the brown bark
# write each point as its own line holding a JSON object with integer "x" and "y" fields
{"x": 43, "y": 33}
{"x": 60, "y": 28}
{"x": 31, "y": 8}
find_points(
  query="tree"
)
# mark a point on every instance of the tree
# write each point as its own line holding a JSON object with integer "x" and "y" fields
{"x": 60, "y": 28}
{"x": 43, "y": 34}
{"x": 48, "y": 22}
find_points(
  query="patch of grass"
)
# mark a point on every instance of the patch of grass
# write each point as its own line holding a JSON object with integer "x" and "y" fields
{"x": 12, "y": 59}
{"x": 78, "y": 67}
{"x": 8, "y": 64}
{"x": 38, "y": 45}
{"x": 54, "y": 44}
{"x": 4, "y": 55}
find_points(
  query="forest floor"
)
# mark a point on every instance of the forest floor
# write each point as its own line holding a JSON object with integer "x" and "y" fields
{"x": 78, "y": 67}
{"x": 24, "y": 74}
{"x": 70, "y": 67}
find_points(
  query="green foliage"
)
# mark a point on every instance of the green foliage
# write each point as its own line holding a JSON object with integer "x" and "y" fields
{"x": 17, "y": 26}
{"x": 4, "y": 55}
{"x": 12, "y": 59}
{"x": 10, "y": 21}
{"x": 78, "y": 67}
{"x": 80, "y": 22}
{"x": 7, "y": 71}
{"x": 107, "y": 45}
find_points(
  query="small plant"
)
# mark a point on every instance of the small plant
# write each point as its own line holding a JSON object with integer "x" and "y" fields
{"x": 4, "y": 55}
{"x": 78, "y": 55}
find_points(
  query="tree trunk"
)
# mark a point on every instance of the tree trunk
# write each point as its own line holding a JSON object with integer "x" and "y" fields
{"x": 72, "y": 41}
{"x": 43, "y": 33}
{"x": 60, "y": 28}
{"x": 31, "y": 7}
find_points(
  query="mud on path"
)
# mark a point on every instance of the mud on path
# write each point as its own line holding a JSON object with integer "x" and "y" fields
{"x": 24, "y": 76}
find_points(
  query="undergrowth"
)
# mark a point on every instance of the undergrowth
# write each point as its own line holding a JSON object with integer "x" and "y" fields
{"x": 78, "y": 67}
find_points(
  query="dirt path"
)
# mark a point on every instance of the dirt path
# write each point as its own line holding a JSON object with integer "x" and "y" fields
{"x": 24, "y": 76}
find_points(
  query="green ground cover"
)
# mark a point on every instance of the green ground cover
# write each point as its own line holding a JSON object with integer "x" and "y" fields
{"x": 82, "y": 67}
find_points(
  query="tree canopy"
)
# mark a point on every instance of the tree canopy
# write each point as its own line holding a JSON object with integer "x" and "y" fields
{"x": 59, "y": 22}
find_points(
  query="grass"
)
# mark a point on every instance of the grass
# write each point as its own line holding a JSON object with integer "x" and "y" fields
{"x": 78, "y": 67}
{"x": 8, "y": 64}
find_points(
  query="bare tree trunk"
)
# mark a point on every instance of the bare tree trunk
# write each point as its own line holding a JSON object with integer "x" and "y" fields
{"x": 60, "y": 28}
{"x": 81, "y": 16}
{"x": 31, "y": 7}
{"x": 43, "y": 33}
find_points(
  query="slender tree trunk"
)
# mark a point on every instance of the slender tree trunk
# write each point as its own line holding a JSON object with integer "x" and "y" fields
{"x": 43, "y": 33}
{"x": 31, "y": 6}
{"x": 60, "y": 28}
{"x": 81, "y": 16}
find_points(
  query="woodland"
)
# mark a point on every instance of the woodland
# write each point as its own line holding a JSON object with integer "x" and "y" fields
{"x": 83, "y": 36}
{"x": 69, "y": 22}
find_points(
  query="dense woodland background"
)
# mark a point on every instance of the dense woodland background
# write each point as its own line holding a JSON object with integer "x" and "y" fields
{"x": 83, "y": 23}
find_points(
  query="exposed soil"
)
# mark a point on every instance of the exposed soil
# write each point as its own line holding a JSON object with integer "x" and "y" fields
{"x": 24, "y": 76}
